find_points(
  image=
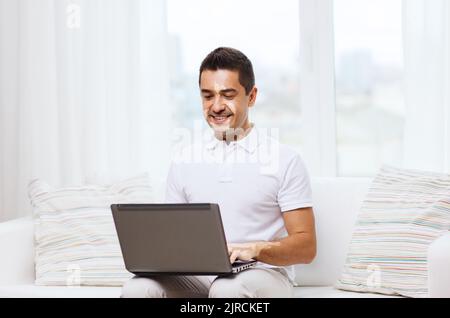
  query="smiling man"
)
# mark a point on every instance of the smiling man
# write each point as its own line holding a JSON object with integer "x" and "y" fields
{"x": 261, "y": 186}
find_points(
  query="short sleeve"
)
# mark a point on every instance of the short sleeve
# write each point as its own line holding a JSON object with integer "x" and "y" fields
{"x": 295, "y": 189}
{"x": 174, "y": 189}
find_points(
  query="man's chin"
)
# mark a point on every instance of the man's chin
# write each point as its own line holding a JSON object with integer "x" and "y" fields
{"x": 220, "y": 129}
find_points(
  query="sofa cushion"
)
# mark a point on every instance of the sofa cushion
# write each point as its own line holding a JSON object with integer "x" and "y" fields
{"x": 17, "y": 250}
{"x": 336, "y": 205}
{"x": 75, "y": 238}
{"x": 403, "y": 213}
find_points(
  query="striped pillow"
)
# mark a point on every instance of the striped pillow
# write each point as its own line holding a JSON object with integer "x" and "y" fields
{"x": 403, "y": 213}
{"x": 75, "y": 237}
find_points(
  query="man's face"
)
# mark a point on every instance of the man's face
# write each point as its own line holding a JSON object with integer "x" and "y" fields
{"x": 225, "y": 103}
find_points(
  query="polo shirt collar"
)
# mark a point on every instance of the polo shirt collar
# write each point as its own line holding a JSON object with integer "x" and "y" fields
{"x": 249, "y": 143}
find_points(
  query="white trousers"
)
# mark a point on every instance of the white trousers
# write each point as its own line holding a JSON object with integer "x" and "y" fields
{"x": 251, "y": 283}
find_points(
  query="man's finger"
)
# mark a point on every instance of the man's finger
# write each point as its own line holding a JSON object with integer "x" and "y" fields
{"x": 234, "y": 256}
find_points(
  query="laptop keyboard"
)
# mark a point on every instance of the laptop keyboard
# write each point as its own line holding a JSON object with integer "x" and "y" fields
{"x": 240, "y": 266}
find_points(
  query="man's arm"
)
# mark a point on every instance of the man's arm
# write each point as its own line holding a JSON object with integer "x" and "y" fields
{"x": 299, "y": 247}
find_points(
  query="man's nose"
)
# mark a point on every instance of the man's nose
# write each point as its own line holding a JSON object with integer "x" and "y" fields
{"x": 218, "y": 105}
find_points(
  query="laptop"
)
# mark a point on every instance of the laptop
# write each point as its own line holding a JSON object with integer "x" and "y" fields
{"x": 174, "y": 239}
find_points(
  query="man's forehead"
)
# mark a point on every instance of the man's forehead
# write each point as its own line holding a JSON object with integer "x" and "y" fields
{"x": 219, "y": 80}
{"x": 217, "y": 87}
{"x": 221, "y": 74}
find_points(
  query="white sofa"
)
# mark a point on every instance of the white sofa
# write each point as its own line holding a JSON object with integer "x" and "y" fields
{"x": 336, "y": 205}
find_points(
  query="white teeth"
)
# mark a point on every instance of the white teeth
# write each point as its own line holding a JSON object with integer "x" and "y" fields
{"x": 220, "y": 119}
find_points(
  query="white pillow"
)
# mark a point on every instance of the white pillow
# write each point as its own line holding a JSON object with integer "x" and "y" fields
{"x": 75, "y": 238}
{"x": 403, "y": 213}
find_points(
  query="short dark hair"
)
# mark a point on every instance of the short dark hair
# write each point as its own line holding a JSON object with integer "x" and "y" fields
{"x": 226, "y": 58}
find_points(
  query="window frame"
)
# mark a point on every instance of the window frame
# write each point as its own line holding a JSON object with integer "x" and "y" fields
{"x": 317, "y": 80}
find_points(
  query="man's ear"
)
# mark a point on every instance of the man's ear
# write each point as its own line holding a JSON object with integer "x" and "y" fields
{"x": 253, "y": 94}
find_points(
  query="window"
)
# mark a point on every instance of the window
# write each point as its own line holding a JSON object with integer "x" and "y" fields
{"x": 329, "y": 73}
{"x": 370, "y": 109}
{"x": 265, "y": 30}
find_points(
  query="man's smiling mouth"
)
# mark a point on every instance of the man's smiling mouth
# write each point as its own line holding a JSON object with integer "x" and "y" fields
{"x": 220, "y": 119}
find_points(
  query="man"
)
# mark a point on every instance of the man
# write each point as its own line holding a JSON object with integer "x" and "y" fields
{"x": 266, "y": 205}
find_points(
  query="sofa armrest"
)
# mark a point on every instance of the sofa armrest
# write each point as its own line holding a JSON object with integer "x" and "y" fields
{"x": 17, "y": 251}
{"x": 438, "y": 267}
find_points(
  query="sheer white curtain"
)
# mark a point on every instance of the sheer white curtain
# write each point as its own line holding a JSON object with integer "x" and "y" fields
{"x": 83, "y": 93}
{"x": 427, "y": 85}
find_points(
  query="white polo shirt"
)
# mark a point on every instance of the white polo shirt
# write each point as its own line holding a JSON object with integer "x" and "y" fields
{"x": 253, "y": 180}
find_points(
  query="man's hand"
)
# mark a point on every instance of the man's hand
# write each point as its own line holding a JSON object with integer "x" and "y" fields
{"x": 299, "y": 247}
{"x": 247, "y": 251}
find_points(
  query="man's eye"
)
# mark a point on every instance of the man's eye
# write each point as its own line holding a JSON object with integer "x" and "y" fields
{"x": 229, "y": 96}
{"x": 207, "y": 96}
